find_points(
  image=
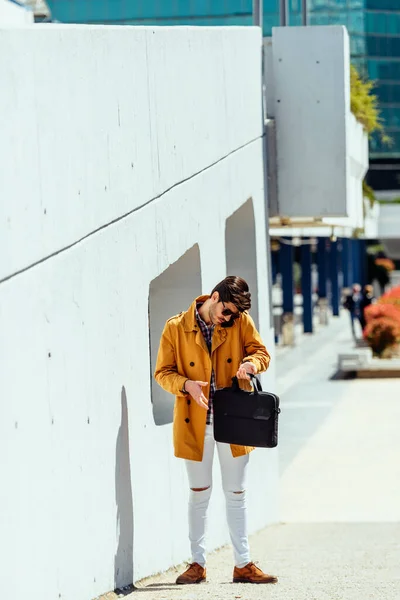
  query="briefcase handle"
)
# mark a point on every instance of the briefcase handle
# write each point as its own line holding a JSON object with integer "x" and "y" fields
{"x": 255, "y": 381}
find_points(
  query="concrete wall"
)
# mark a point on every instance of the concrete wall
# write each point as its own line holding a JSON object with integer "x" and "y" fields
{"x": 11, "y": 14}
{"x": 357, "y": 166}
{"x": 122, "y": 149}
{"x": 163, "y": 144}
{"x": 371, "y": 220}
{"x": 389, "y": 228}
{"x": 322, "y": 152}
{"x": 389, "y": 221}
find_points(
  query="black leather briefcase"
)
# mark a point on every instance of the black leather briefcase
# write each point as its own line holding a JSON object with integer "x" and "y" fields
{"x": 246, "y": 418}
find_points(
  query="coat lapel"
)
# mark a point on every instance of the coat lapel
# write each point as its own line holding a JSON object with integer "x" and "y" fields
{"x": 200, "y": 341}
{"x": 219, "y": 338}
{"x": 190, "y": 324}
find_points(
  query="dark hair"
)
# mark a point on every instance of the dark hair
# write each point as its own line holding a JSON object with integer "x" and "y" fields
{"x": 234, "y": 289}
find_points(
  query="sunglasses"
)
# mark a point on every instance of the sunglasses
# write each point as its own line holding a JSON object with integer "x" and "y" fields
{"x": 228, "y": 312}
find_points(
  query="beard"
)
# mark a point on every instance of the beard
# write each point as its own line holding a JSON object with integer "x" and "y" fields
{"x": 213, "y": 318}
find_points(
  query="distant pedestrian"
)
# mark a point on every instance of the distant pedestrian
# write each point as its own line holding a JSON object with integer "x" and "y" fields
{"x": 367, "y": 299}
{"x": 353, "y": 303}
{"x": 201, "y": 350}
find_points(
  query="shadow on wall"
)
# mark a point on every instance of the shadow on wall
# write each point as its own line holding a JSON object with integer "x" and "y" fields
{"x": 123, "y": 563}
{"x": 170, "y": 293}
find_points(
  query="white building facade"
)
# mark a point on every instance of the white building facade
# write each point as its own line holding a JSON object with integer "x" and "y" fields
{"x": 132, "y": 181}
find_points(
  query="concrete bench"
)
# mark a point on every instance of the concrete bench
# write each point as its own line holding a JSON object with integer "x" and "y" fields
{"x": 364, "y": 365}
{"x": 354, "y": 360}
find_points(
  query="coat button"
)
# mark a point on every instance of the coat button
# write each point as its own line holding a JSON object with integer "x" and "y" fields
{"x": 187, "y": 420}
{"x": 192, "y": 364}
{"x": 188, "y": 400}
{"x": 229, "y": 360}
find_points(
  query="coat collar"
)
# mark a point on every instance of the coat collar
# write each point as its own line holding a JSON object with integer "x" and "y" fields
{"x": 189, "y": 317}
{"x": 190, "y": 323}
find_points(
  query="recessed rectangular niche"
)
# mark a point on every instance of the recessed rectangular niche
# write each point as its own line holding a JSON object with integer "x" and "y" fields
{"x": 241, "y": 251}
{"x": 170, "y": 293}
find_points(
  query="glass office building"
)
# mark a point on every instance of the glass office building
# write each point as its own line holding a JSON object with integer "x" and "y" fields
{"x": 173, "y": 12}
{"x": 383, "y": 59}
{"x": 350, "y": 13}
{"x": 373, "y": 25}
{"x": 276, "y": 12}
{"x": 154, "y": 12}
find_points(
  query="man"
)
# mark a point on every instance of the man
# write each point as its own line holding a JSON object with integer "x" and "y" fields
{"x": 367, "y": 299}
{"x": 353, "y": 304}
{"x": 201, "y": 350}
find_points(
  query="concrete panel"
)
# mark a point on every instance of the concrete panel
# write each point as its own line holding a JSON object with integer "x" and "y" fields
{"x": 371, "y": 220}
{"x": 13, "y": 15}
{"x": 98, "y": 121}
{"x": 389, "y": 221}
{"x": 357, "y": 166}
{"x": 121, "y": 150}
{"x": 94, "y": 482}
{"x": 312, "y": 111}
{"x": 268, "y": 79}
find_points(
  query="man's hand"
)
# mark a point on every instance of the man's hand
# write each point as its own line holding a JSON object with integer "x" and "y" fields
{"x": 194, "y": 389}
{"x": 244, "y": 369}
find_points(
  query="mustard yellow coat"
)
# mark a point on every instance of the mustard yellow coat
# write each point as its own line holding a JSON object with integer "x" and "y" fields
{"x": 183, "y": 354}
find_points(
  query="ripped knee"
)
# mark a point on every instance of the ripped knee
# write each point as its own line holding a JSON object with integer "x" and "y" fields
{"x": 237, "y": 495}
{"x": 200, "y": 489}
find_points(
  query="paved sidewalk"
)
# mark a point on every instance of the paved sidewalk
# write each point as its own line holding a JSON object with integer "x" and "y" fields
{"x": 340, "y": 489}
{"x": 313, "y": 561}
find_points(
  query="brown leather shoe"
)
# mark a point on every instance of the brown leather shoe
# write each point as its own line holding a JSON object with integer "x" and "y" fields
{"x": 252, "y": 574}
{"x": 195, "y": 573}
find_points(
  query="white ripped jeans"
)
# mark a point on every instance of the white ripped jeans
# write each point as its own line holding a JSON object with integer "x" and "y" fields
{"x": 233, "y": 471}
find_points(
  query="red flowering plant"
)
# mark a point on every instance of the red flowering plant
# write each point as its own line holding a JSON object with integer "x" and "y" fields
{"x": 382, "y": 331}
{"x": 379, "y": 311}
{"x": 382, "y": 335}
{"x": 386, "y": 263}
{"x": 392, "y": 297}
